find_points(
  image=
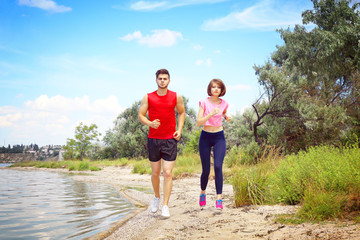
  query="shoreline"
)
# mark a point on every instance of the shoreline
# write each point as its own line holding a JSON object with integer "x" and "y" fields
{"x": 189, "y": 221}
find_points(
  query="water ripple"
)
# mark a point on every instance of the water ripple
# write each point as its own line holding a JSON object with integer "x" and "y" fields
{"x": 47, "y": 205}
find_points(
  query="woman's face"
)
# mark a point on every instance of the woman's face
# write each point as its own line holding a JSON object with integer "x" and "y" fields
{"x": 215, "y": 89}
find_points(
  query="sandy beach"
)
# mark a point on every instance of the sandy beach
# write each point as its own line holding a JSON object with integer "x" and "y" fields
{"x": 189, "y": 221}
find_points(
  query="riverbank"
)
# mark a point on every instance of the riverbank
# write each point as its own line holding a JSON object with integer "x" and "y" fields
{"x": 189, "y": 221}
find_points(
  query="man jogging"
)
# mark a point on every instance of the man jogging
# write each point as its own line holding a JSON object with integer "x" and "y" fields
{"x": 163, "y": 136}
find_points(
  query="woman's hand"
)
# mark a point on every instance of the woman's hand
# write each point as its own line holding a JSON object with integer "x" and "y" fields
{"x": 215, "y": 111}
{"x": 227, "y": 118}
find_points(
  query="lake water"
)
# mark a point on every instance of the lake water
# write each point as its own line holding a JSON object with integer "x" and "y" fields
{"x": 48, "y": 205}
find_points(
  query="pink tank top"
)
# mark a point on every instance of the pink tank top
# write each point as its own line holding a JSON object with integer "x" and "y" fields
{"x": 208, "y": 107}
{"x": 162, "y": 108}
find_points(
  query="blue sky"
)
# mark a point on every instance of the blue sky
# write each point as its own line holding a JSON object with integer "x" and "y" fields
{"x": 64, "y": 62}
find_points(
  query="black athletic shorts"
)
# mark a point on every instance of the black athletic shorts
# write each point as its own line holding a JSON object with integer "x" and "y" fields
{"x": 162, "y": 148}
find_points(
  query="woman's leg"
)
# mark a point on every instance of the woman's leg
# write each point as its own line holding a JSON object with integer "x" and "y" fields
{"x": 204, "y": 150}
{"x": 219, "y": 154}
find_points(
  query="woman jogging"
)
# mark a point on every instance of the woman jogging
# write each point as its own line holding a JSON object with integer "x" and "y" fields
{"x": 211, "y": 112}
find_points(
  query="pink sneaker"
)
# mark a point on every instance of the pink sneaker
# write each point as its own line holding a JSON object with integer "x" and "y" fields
{"x": 202, "y": 201}
{"x": 219, "y": 204}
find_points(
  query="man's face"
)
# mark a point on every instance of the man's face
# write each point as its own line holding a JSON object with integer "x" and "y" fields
{"x": 163, "y": 81}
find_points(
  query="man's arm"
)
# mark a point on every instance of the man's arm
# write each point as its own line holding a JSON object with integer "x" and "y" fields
{"x": 181, "y": 117}
{"x": 142, "y": 114}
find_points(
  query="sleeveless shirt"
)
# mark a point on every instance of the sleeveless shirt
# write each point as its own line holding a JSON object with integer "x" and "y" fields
{"x": 162, "y": 108}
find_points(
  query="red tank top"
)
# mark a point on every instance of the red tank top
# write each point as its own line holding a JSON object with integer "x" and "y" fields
{"x": 162, "y": 108}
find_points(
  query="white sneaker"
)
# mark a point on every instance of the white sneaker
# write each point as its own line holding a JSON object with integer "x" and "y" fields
{"x": 155, "y": 205}
{"x": 165, "y": 211}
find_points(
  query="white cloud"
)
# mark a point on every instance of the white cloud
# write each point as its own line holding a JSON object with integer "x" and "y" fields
{"x": 132, "y": 36}
{"x": 8, "y": 117}
{"x": 264, "y": 15}
{"x": 159, "y": 38}
{"x": 165, "y": 5}
{"x": 47, "y": 5}
{"x": 198, "y": 47}
{"x": 148, "y": 6}
{"x": 201, "y": 62}
{"x": 51, "y": 120}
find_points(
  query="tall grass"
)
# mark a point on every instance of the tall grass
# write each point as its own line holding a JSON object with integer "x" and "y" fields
{"x": 251, "y": 182}
{"x": 324, "y": 180}
{"x": 141, "y": 167}
{"x": 187, "y": 165}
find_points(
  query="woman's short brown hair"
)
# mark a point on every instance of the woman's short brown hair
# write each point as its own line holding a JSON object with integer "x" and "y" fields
{"x": 220, "y": 83}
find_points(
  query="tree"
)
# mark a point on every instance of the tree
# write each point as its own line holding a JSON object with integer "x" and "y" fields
{"x": 128, "y": 138}
{"x": 70, "y": 149}
{"x": 311, "y": 87}
{"x": 278, "y": 99}
{"x": 84, "y": 136}
{"x": 190, "y": 127}
{"x": 239, "y": 131}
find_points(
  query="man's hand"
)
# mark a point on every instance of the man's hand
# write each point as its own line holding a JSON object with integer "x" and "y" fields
{"x": 155, "y": 124}
{"x": 177, "y": 135}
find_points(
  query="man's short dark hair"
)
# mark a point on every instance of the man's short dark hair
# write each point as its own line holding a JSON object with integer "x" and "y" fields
{"x": 162, "y": 71}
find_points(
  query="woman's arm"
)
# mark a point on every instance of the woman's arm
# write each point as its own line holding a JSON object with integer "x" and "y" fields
{"x": 227, "y": 118}
{"x": 201, "y": 119}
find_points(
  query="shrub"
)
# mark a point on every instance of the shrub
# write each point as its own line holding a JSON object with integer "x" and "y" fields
{"x": 320, "y": 205}
{"x": 233, "y": 157}
{"x": 334, "y": 171}
{"x": 83, "y": 166}
{"x": 186, "y": 165}
{"x": 141, "y": 168}
{"x": 192, "y": 146}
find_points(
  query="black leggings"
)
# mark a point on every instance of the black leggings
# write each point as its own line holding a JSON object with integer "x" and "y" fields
{"x": 206, "y": 142}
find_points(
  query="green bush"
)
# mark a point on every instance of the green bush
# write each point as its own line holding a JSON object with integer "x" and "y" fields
{"x": 233, "y": 157}
{"x": 330, "y": 168}
{"x": 83, "y": 166}
{"x": 321, "y": 205}
{"x": 94, "y": 168}
{"x": 325, "y": 180}
{"x": 187, "y": 164}
{"x": 334, "y": 171}
{"x": 192, "y": 146}
{"x": 141, "y": 168}
{"x": 251, "y": 153}
{"x": 251, "y": 185}
{"x": 72, "y": 167}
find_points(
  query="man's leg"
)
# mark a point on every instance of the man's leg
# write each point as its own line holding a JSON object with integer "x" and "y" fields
{"x": 168, "y": 167}
{"x": 155, "y": 177}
